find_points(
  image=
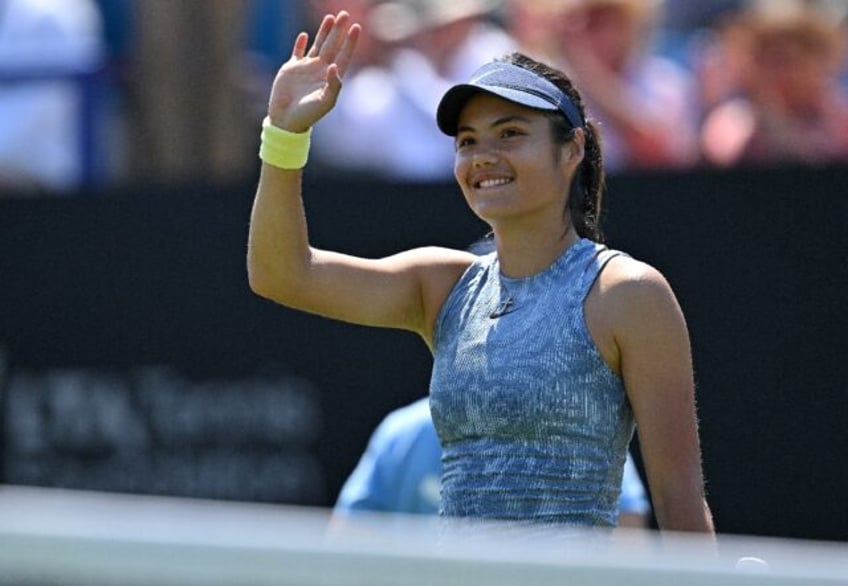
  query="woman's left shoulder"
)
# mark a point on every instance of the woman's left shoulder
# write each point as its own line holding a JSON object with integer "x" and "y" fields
{"x": 630, "y": 287}
{"x": 631, "y": 310}
{"x": 631, "y": 305}
{"x": 622, "y": 271}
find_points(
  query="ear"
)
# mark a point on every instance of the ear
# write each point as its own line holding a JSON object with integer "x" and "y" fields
{"x": 576, "y": 147}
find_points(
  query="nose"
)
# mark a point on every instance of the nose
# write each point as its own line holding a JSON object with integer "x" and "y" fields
{"x": 483, "y": 157}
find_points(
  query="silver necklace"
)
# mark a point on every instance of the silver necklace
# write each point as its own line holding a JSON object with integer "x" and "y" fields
{"x": 506, "y": 304}
{"x": 505, "y": 307}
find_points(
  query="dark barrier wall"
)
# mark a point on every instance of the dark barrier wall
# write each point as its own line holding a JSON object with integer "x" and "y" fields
{"x": 134, "y": 357}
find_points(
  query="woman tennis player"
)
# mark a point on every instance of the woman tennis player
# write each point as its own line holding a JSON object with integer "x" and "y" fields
{"x": 549, "y": 350}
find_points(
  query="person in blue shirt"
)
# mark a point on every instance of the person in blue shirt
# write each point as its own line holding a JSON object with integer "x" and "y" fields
{"x": 400, "y": 472}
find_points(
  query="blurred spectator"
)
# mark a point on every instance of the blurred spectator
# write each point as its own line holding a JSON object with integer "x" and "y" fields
{"x": 532, "y": 27}
{"x": 455, "y": 37}
{"x": 645, "y": 102}
{"x": 686, "y": 16}
{"x": 400, "y": 471}
{"x": 370, "y": 50}
{"x": 49, "y": 53}
{"x": 791, "y": 107}
{"x": 270, "y": 29}
{"x": 702, "y": 50}
{"x": 425, "y": 46}
{"x": 186, "y": 102}
{"x": 687, "y": 35}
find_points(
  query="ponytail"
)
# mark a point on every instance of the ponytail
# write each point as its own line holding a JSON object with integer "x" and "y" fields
{"x": 585, "y": 198}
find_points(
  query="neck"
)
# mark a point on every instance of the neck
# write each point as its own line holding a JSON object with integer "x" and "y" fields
{"x": 523, "y": 253}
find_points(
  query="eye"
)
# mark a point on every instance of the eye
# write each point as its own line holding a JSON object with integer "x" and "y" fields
{"x": 511, "y": 132}
{"x": 464, "y": 141}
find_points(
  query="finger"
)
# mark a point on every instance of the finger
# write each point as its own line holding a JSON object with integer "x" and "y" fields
{"x": 334, "y": 84}
{"x": 321, "y": 36}
{"x": 348, "y": 47}
{"x": 300, "y": 45}
{"x": 334, "y": 79}
{"x": 336, "y": 36}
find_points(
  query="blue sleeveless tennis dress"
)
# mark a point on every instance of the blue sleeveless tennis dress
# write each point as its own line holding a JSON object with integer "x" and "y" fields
{"x": 534, "y": 424}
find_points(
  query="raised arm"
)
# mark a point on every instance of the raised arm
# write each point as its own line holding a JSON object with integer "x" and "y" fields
{"x": 402, "y": 291}
{"x": 648, "y": 343}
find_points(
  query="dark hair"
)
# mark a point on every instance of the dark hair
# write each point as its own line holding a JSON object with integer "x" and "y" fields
{"x": 585, "y": 197}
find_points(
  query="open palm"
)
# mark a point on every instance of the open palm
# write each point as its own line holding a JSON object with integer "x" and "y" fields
{"x": 307, "y": 85}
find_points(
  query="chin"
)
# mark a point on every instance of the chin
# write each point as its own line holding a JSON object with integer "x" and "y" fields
{"x": 492, "y": 213}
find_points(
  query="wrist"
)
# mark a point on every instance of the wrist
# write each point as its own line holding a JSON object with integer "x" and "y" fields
{"x": 284, "y": 149}
{"x": 285, "y": 121}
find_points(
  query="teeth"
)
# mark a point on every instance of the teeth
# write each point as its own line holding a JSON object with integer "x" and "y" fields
{"x": 494, "y": 182}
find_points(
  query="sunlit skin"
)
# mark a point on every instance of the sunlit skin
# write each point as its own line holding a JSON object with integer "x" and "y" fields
{"x": 514, "y": 177}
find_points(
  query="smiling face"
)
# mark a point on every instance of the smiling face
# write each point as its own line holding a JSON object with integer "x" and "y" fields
{"x": 508, "y": 165}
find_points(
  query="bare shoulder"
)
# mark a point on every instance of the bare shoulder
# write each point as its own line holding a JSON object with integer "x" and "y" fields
{"x": 627, "y": 283}
{"x": 631, "y": 306}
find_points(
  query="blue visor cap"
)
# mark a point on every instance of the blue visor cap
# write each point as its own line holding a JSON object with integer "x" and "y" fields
{"x": 510, "y": 82}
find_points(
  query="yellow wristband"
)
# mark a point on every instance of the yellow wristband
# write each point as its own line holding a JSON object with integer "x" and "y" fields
{"x": 284, "y": 149}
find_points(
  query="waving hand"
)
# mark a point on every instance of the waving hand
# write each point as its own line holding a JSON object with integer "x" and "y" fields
{"x": 307, "y": 85}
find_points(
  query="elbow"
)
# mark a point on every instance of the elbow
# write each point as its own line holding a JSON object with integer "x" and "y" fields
{"x": 257, "y": 285}
{"x": 281, "y": 280}
{"x": 275, "y": 284}
{"x": 260, "y": 280}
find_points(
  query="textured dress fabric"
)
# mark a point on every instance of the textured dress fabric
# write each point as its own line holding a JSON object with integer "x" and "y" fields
{"x": 534, "y": 424}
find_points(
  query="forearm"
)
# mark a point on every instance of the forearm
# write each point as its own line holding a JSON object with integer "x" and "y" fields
{"x": 677, "y": 484}
{"x": 304, "y": 90}
{"x": 691, "y": 514}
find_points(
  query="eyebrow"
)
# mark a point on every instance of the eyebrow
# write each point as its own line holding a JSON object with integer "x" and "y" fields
{"x": 499, "y": 122}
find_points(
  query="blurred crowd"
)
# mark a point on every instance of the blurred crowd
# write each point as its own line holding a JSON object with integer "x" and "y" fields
{"x": 95, "y": 93}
